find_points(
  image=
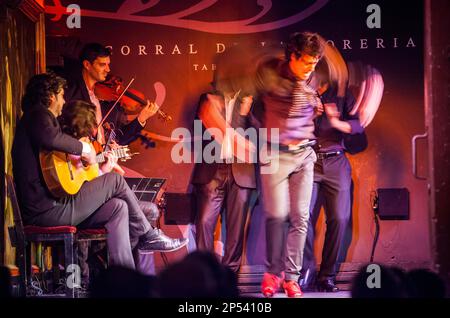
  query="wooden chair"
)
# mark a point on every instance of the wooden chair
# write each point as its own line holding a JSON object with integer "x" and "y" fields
{"x": 21, "y": 237}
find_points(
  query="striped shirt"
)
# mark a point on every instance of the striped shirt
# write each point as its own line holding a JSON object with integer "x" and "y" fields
{"x": 291, "y": 110}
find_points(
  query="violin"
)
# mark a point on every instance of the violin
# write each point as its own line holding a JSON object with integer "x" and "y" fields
{"x": 132, "y": 100}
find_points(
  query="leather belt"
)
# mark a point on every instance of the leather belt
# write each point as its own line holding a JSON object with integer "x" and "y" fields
{"x": 325, "y": 155}
{"x": 296, "y": 148}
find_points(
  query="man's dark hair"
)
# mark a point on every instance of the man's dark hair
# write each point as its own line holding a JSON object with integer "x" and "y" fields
{"x": 39, "y": 90}
{"x": 78, "y": 119}
{"x": 93, "y": 50}
{"x": 304, "y": 43}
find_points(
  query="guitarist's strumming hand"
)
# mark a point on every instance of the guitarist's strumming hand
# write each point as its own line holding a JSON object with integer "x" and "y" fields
{"x": 88, "y": 154}
{"x": 148, "y": 111}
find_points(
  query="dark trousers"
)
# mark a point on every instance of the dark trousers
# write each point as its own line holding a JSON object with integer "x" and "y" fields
{"x": 222, "y": 192}
{"x": 106, "y": 201}
{"x": 332, "y": 190}
{"x": 92, "y": 255}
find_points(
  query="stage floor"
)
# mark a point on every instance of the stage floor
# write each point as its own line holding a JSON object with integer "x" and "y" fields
{"x": 340, "y": 294}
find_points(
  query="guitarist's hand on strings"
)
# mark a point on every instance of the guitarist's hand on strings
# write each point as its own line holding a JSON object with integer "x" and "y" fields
{"x": 148, "y": 111}
{"x": 110, "y": 163}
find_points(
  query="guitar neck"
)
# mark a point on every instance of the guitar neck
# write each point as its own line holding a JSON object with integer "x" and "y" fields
{"x": 119, "y": 153}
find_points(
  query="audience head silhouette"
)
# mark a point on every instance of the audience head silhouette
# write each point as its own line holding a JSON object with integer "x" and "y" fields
{"x": 393, "y": 282}
{"x": 388, "y": 282}
{"x": 426, "y": 284}
{"x": 198, "y": 275}
{"x": 5, "y": 283}
{"x": 120, "y": 282}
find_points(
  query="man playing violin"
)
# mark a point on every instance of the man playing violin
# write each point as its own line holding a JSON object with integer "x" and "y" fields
{"x": 107, "y": 201}
{"x": 95, "y": 62}
{"x": 95, "y": 67}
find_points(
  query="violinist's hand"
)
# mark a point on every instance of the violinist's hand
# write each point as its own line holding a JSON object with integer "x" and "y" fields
{"x": 111, "y": 162}
{"x": 148, "y": 111}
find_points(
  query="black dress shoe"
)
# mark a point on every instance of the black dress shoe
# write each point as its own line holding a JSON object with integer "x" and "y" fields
{"x": 307, "y": 280}
{"x": 157, "y": 241}
{"x": 327, "y": 286}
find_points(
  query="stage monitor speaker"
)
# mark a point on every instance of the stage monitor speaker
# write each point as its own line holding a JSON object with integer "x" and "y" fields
{"x": 393, "y": 204}
{"x": 147, "y": 189}
{"x": 180, "y": 208}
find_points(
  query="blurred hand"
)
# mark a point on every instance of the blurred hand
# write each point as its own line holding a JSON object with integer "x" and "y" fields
{"x": 246, "y": 105}
{"x": 148, "y": 111}
{"x": 318, "y": 111}
{"x": 331, "y": 111}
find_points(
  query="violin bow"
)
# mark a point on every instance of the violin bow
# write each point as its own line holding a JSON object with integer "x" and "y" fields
{"x": 115, "y": 103}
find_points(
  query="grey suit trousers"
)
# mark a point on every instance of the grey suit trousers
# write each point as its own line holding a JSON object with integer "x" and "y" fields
{"x": 286, "y": 198}
{"x": 106, "y": 201}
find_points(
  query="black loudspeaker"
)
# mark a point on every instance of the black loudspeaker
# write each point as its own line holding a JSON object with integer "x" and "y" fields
{"x": 180, "y": 208}
{"x": 393, "y": 204}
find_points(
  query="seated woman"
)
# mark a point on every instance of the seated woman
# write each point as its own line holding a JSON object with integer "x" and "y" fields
{"x": 78, "y": 119}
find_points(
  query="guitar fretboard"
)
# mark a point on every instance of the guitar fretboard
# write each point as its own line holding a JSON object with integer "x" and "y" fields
{"x": 120, "y": 153}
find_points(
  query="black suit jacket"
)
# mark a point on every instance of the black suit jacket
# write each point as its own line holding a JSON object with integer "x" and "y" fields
{"x": 243, "y": 173}
{"x": 37, "y": 130}
{"x": 126, "y": 132}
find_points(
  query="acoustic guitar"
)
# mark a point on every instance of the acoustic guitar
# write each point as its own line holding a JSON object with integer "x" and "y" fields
{"x": 64, "y": 174}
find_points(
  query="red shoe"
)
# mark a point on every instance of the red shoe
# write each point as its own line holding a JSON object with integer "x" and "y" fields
{"x": 270, "y": 284}
{"x": 292, "y": 289}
